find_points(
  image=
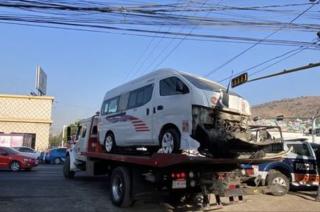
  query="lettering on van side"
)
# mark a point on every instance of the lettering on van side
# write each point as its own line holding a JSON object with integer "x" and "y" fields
{"x": 137, "y": 123}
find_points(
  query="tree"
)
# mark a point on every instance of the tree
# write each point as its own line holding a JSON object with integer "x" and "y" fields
{"x": 55, "y": 140}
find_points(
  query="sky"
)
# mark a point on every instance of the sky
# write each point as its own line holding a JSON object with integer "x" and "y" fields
{"x": 83, "y": 66}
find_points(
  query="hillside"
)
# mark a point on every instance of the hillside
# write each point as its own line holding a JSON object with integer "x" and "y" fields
{"x": 301, "y": 107}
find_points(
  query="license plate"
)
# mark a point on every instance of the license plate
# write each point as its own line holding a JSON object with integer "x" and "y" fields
{"x": 176, "y": 184}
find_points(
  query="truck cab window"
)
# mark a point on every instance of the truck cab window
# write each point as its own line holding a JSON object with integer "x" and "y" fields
{"x": 172, "y": 86}
{"x": 83, "y": 133}
{"x": 300, "y": 149}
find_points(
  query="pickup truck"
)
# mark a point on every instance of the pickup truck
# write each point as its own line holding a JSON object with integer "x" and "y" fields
{"x": 297, "y": 168}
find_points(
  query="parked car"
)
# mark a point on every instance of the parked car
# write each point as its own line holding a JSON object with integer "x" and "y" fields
{"x": 56, "y": 155}
{"x": 298, "y": 168}
{"x": 42, "y": 157}
{"x": 156, "y": 109}
{"x": 29, "y": 151}
{"x": 15, "y": 160}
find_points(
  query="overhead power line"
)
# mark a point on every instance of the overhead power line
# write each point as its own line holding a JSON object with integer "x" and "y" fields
{"x": 257, "y": 43}
{"x": 281, "y": 58}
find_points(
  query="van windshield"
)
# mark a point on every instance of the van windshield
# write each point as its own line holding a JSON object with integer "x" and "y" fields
{"x": 206, "y": 84}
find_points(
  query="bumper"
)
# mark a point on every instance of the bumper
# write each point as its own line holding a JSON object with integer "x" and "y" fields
{"x": 29, "y": 164}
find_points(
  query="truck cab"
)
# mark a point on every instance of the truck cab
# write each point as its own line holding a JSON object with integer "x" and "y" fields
{"x": 297, "y": 168}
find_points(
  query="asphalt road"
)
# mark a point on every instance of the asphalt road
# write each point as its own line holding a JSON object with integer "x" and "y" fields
{"x": 45, "y": 189}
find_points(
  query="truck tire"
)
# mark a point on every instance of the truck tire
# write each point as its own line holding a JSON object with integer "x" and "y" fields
{"x": 68, "y": 174}
{"x": 109, "y": 143}
{"x": 278, "y": 183}
{"x": 170, "y": 141}
{"x": 120, "y": 190}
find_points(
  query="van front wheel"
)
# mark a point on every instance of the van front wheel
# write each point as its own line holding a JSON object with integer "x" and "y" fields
{"x": 170, "y": 141}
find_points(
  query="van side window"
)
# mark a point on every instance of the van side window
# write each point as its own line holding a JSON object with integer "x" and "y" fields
{"x": 172, "y": 86}
{"x": 140, "y": 96}
{"x": 110, "y": 106}
{"x": 123, "y": 102}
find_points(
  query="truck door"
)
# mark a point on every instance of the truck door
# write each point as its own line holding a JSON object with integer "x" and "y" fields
{"x": 139, "y": 115}
{"x": 303, "y": 162}
{"x": 81, "y": 145}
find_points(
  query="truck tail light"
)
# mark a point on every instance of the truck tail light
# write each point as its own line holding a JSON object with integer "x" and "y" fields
{"x": 233, "y": 186}
{"x": 250, "y": 172}
{"x": 178, "y": 175}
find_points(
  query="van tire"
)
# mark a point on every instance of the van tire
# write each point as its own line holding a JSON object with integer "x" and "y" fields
{"x": 170, "y": 140}
{"x": 278, "y": 183}
{"x": 109, "y": 140}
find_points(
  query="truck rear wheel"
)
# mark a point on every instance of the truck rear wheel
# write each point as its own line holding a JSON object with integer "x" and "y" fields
{"x": 66, "y": 169}
{"x": 278, "y": 183}
{"x": 120, "y": 190}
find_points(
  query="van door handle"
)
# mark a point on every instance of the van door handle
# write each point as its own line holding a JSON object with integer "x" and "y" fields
{"x": 154, "y": 110}
{"x": 147, "y": 111}
{"x": 160, "y": 107}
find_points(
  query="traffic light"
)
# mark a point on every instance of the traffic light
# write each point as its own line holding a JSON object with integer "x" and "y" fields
{"x": 239, "y": 80}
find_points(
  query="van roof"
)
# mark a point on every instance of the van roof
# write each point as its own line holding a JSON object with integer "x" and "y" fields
{"x": 133, "y": 84}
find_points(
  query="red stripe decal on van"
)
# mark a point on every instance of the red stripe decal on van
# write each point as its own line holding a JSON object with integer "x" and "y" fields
{"x": 140, "y": 125}
{"x": 137, "y": 122}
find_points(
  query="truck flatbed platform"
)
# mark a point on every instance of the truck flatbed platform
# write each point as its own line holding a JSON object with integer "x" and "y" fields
{"x": 160, "y": 160}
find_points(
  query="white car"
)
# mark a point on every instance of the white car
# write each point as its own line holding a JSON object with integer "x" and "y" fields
{"x": 155, "y": 110}
{"x": 28, "y": 151}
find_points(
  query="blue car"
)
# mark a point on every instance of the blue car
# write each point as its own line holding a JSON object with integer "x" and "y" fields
{"x": 56, "y": 156}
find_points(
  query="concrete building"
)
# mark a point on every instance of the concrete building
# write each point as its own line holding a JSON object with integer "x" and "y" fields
{"x": 25, "y": 120}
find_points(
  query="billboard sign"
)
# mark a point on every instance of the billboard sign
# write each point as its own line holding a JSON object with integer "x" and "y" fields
{"x": 11, "y": 140}
{"x": 41, "y": 81}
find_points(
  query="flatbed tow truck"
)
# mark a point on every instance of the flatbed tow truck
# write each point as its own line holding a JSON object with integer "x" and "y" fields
{"x": 133, "y": 175}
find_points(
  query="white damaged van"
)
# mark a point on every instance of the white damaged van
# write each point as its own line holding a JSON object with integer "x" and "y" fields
{"x": 156, "y": 109}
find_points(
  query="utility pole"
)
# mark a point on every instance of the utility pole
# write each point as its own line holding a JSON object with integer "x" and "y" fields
{"x": 285, "y": 71}
{"x": 243, "y": 78}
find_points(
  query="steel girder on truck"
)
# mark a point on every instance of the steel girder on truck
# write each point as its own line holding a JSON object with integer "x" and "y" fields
{"x": 131, "y": 174}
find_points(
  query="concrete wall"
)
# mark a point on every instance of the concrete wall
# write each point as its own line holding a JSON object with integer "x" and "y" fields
{"x": 27, "y": 114}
